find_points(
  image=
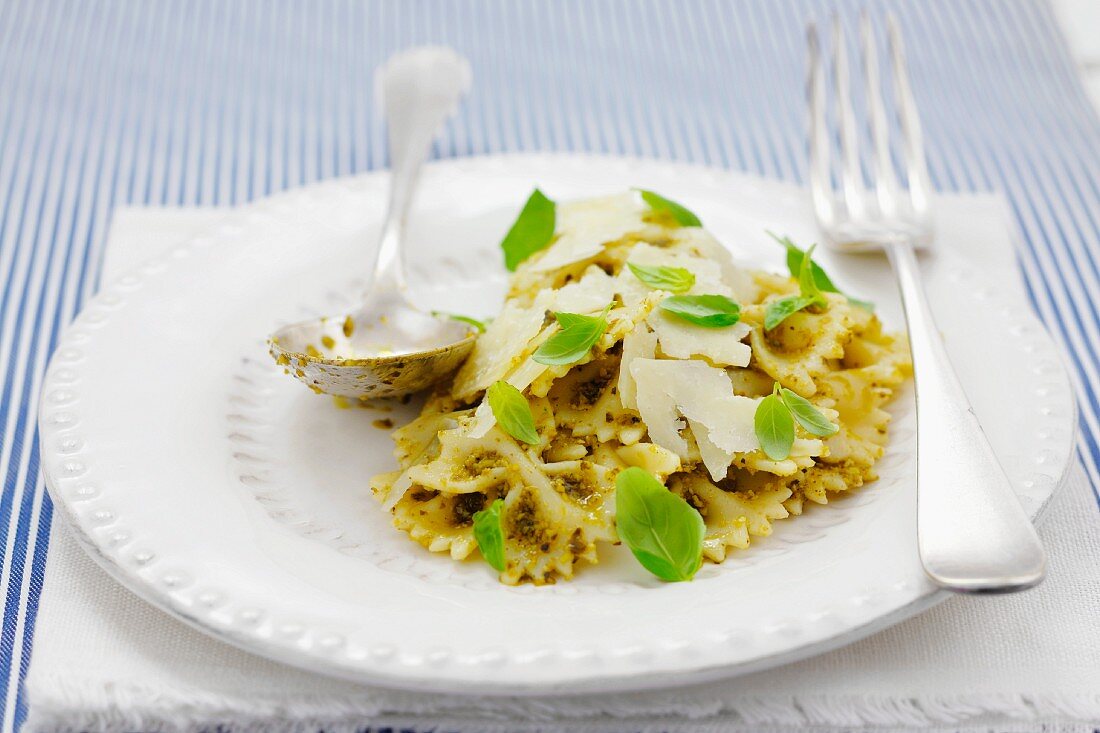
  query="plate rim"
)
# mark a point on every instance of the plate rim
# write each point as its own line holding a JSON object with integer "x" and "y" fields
{"x": 640, "y": 679}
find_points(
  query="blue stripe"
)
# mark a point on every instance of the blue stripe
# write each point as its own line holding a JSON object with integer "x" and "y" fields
{"x": 206, "y": 102}
{"x": 29, "y": 481}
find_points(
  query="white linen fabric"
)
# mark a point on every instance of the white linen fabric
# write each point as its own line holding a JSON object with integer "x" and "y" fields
{"x": 104, "y": 660}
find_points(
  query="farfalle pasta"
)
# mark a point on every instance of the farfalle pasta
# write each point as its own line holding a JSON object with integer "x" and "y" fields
{"x": 654, "y": 391}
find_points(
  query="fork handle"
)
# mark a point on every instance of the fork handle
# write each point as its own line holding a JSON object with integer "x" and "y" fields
{"x": 972, "y": 532}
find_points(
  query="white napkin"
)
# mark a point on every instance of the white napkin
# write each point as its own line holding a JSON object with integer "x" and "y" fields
{"x": 104, "y": 660}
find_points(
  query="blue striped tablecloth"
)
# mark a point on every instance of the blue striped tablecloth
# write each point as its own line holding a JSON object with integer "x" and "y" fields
{"x": 209, "y": 102}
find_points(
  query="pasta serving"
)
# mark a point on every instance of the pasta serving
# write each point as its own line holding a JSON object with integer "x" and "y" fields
{"x": 686, "y": 363}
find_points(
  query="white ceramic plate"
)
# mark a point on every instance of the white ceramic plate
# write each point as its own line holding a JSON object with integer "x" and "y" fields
{"x": 219, "y": 489}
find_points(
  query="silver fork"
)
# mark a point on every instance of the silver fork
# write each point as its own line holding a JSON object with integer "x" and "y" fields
{"x": 973, "y": 535}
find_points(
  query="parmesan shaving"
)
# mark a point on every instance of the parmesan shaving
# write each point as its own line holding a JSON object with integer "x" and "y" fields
{"x": 638, "y": 344}
{"x": 501, "y": 348}
{"x": 714, "y": 458}
{"x": 584, "y": 227}
{"x": 683, "y": 340}
{"x": 720, "y": 421}
{"x": 590, "y": 294}
{"x": 708, "y": 273}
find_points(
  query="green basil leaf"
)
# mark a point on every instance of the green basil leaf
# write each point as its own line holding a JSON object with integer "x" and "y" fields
{"x": 823, "y": 281}
{"x": 576, "y": 338}
{"x": 489, "y": 534}
{"x": 774, "y": 427}
{"x": 778, "y": 310}
{"x": 479, "y": 325}
{"x": 709, "y": 311}
{"x": 794, "y": 264}
{"x": 672, "y": 279}
{"x": 512, "y": 412}
{"x": 807, "y": 284}
{"x": 808, "y": 416}
{"x": 683, "y": 216}
{"x": 533, "y": 230}
{"x": 864, "y": 304}
{"x": 575, "y": 320}
{"x": 664, "y": 532}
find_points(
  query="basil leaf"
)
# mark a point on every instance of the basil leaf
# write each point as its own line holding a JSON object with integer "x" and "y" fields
{"x": 664, "y": 532}
{"x": 807, "y": 284}
{"x": 794, "y": 264}
{"x": 673, "y": 279}
{"x": 774, "y": 427}
{"x": 512, "y": 412}
{"x": 576, "y": 338}
{"x": 479, "y": 325}
{"x": 808, "y": 416}
{"x": 864, "y": 304}
{"x": 823, "y": 281}
{"x": 683, "y": 216}
{"x": 709, "y": 311}
{"x": 778, "y": 310}
{"x": 532, "y": 230}
{"x": 490, "y": 534}
{"x": 575, "y": 320}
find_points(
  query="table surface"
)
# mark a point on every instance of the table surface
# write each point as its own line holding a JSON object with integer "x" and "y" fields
{"x": 213, "y": 103}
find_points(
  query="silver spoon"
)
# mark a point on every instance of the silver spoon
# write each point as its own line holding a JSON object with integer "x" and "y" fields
{"x": 389, "y": 347}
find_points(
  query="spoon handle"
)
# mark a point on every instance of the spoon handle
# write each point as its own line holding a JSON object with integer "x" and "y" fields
{"x": 418, "y": 89}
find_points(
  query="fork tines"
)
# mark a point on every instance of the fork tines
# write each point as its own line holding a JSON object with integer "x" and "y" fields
{"x": 853, "y": 215}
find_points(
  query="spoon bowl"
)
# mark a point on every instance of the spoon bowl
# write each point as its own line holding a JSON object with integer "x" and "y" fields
{"x": 365, "y": 356}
